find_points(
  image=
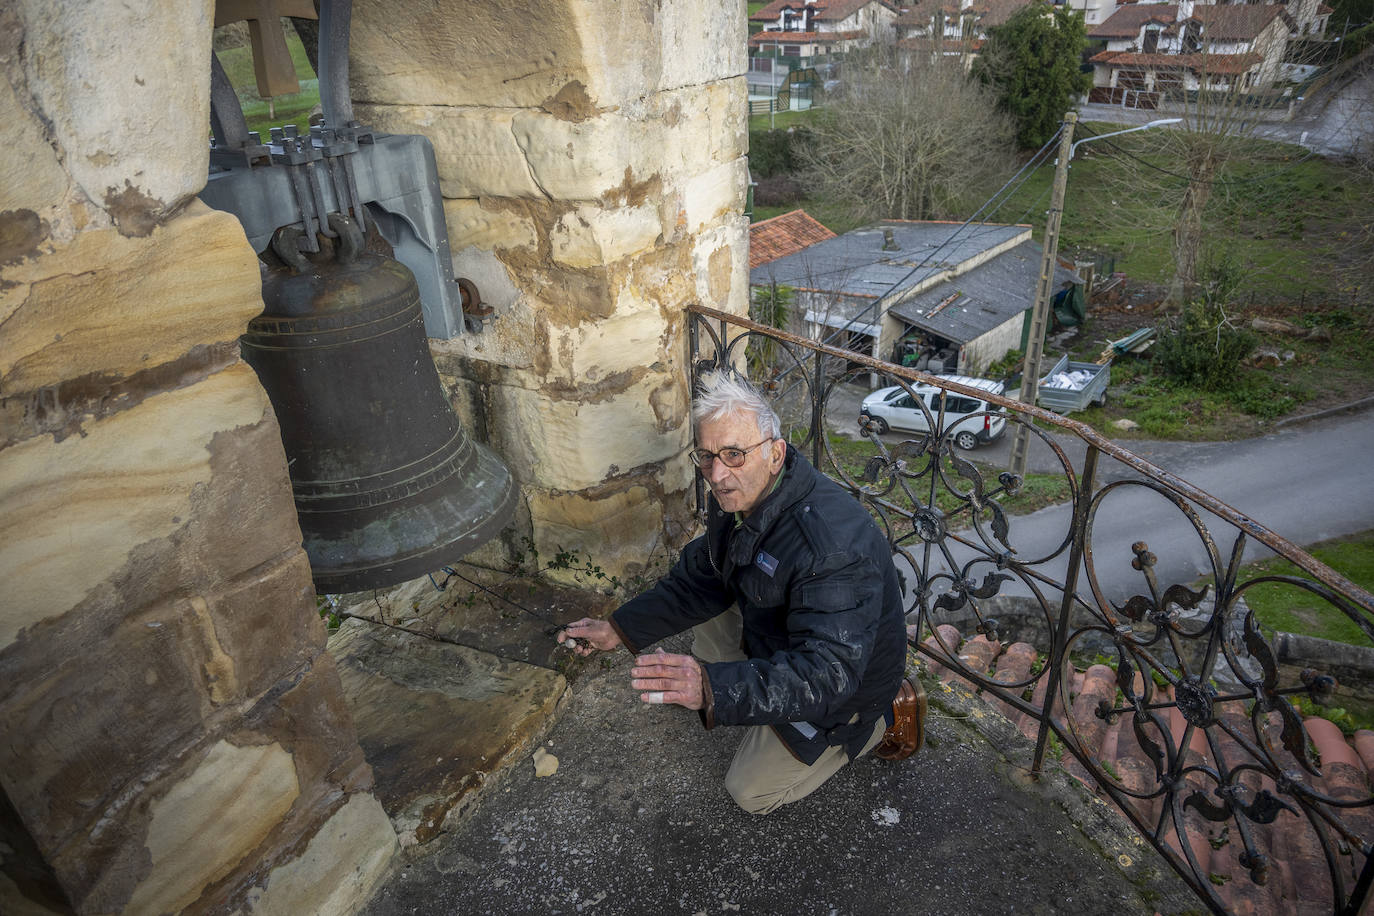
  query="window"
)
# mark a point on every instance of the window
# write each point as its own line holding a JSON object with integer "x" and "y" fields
{"x": 1192, "y": 37}
{"x": 956, "y": 404}
{"x": 1151, "y": 44}
{"x": 791, "y": 50}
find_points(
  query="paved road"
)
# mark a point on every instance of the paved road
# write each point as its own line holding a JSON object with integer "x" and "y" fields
{"x": 1307, "y": 482}
{"x": 1342, "y": 126}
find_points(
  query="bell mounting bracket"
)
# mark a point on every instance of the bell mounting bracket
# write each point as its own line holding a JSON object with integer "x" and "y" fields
{"x": 338, "y": 167}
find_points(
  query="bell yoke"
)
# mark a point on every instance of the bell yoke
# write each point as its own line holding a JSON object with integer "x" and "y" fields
{"x": 795, "y": 608}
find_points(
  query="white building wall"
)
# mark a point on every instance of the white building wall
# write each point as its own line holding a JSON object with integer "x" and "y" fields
{"x": 980, "y": 353}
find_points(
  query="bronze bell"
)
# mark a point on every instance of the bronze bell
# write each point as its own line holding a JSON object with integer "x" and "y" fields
{"x": 386, "y": 484}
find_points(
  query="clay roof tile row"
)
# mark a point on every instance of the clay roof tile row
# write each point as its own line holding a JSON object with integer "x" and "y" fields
{"x": 780, "y": 236}
{"x": 826, "y": 10}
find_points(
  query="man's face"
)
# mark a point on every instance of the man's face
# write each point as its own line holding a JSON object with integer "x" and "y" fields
{"x": 740, "y": 489}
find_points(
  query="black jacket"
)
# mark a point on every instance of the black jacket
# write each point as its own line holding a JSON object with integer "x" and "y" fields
{"x": 822, "y": 607}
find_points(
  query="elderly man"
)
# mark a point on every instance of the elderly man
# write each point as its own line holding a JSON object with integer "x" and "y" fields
{"x": 796, "y": 607}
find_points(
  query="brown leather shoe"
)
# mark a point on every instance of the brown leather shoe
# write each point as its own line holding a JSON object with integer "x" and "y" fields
{"x": 908, "y": 730}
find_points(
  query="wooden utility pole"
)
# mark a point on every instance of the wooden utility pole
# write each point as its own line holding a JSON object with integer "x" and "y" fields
{"x": 1044, "y": 290}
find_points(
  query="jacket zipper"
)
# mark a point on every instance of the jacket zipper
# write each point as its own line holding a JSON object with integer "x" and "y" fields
{"x": 710, "y": 555}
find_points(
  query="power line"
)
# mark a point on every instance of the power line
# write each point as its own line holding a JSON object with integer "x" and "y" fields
{"x": 986, "y": 226}
{"x": 1213, "y": 182}
{"x": 950, "y": 239}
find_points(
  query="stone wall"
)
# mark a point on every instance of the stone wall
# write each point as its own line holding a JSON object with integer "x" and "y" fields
{"x": 591, "y": 154}
{"x": 172, "y": 733}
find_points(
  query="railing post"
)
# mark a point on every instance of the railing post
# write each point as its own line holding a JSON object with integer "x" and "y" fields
{"x": 817, "y": 429}
{"x": 1059, "y": 647}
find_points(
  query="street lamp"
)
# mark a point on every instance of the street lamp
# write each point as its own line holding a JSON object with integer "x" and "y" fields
{"x": 1162, "y": 122}
{"x": 1035, "y": 343}
{"x": 773, "y": 80}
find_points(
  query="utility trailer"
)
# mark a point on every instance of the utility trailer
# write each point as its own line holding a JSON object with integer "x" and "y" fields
{"x": 1062, "y": 399}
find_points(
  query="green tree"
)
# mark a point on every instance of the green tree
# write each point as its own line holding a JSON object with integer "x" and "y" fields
{"x": 1032, "y": 61}
{"x": 770, "y": 305}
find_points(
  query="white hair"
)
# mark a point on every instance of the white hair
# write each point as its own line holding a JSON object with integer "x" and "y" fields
{"x": 722, "y": 394}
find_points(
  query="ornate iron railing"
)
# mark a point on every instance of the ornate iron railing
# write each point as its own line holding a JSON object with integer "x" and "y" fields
{"x": 1226, "y": 785}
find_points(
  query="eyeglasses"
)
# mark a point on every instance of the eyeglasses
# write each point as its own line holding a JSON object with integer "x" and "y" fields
{"x": 730, "y": 456}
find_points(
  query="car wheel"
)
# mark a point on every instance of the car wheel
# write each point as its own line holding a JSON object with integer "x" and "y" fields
{"x": 1102, "y": 401}
{"x": 965, "y": 439}
{"x": 879, "y": 425}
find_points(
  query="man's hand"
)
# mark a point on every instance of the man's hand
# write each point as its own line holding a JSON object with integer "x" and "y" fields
{"x": 669, "y": 679}
{"x": 587, "y": 635}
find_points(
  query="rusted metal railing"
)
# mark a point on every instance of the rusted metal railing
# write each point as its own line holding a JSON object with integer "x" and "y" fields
{"x": 1225, "y": 776}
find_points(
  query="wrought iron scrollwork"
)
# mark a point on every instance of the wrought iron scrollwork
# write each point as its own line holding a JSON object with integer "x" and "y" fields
{"x": 1222, "y": 768}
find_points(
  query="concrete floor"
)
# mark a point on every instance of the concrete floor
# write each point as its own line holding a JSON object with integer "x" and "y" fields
{"x": 636, "y": 819}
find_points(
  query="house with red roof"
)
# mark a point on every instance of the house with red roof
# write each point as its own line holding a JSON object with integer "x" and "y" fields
{"x": 1154, "y": 49}
{"x": 799, "y": 37}
{"x": 784, "y": 235}
{"x": 953, "y": 22}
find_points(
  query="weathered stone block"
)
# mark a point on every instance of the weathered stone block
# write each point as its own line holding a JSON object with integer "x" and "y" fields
{"x": 596, "y": 351}
{"x": 340, "y": 867}
{"x": 474, "y": 148}
{"x": 592, "y": 236}
{"x": 106, "y": 306}
{"x": 575, "y": 442}
{"x": 714, "y": 196}
{"x": 622, "y": 530}
{"x": 511, "y": 54}
{"x": 555, "y": 55}
{"x": 34, "y": 178}
{"x": 720, "y": 268}
{"x": 222, "y": 804}
{"x": 107, "y": 108}
{"x": 74, "y": 513}
{"x": 701, "y": 41}
{"x": 208, "y": 820}
{"x": 532, "y": 153}
{"x": 436, "y": 719}
{"x": 471, "y": 223}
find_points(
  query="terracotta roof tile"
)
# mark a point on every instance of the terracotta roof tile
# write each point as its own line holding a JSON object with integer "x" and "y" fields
{"x": 1198, "y": 63}
{"x": 783, "y": 235}
{"x": 1297, "y": 865}
{"x": 1127, "y": 20}
{"x": 826, "y": 10}
{"x": 771, "y": 38}
{"x": 1238, "y": 22}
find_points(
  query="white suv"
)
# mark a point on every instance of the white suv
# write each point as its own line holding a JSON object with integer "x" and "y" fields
{"x": 893, "y": 408}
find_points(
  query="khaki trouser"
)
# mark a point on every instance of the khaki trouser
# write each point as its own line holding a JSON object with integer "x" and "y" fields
{"x": 764, "y": 775}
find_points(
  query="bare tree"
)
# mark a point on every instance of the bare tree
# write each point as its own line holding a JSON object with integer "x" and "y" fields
{"x": 907, "y": 136}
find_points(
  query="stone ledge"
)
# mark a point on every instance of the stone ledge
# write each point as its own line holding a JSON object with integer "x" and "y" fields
{"x": 437, "y": 720}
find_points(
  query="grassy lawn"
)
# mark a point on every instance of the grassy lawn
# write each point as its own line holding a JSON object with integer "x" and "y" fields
{"x": 1320, "y": 374}
{"x": 1296, "y": 224}
{"x": 1288, "y": 609}
{"x": 290, "y": 109}
{"x": 1036, "y": 491}
{"x": 1288, "y": 218}
{"x": 783, "y": 119}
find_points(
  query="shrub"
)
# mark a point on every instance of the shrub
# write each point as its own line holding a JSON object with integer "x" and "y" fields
{"x": 777, "y": 191}
{"x": 1201, "y": 347}
{"x": 773, "y": 152}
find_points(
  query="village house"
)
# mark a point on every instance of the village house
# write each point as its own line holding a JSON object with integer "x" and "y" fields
{"x": 1095, "y": 12}
{"x": 953, "y": 23}
{"x": 953, "y": 298}
{"x": 801, "y": 36}
{"x": 1156, "y": 49}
